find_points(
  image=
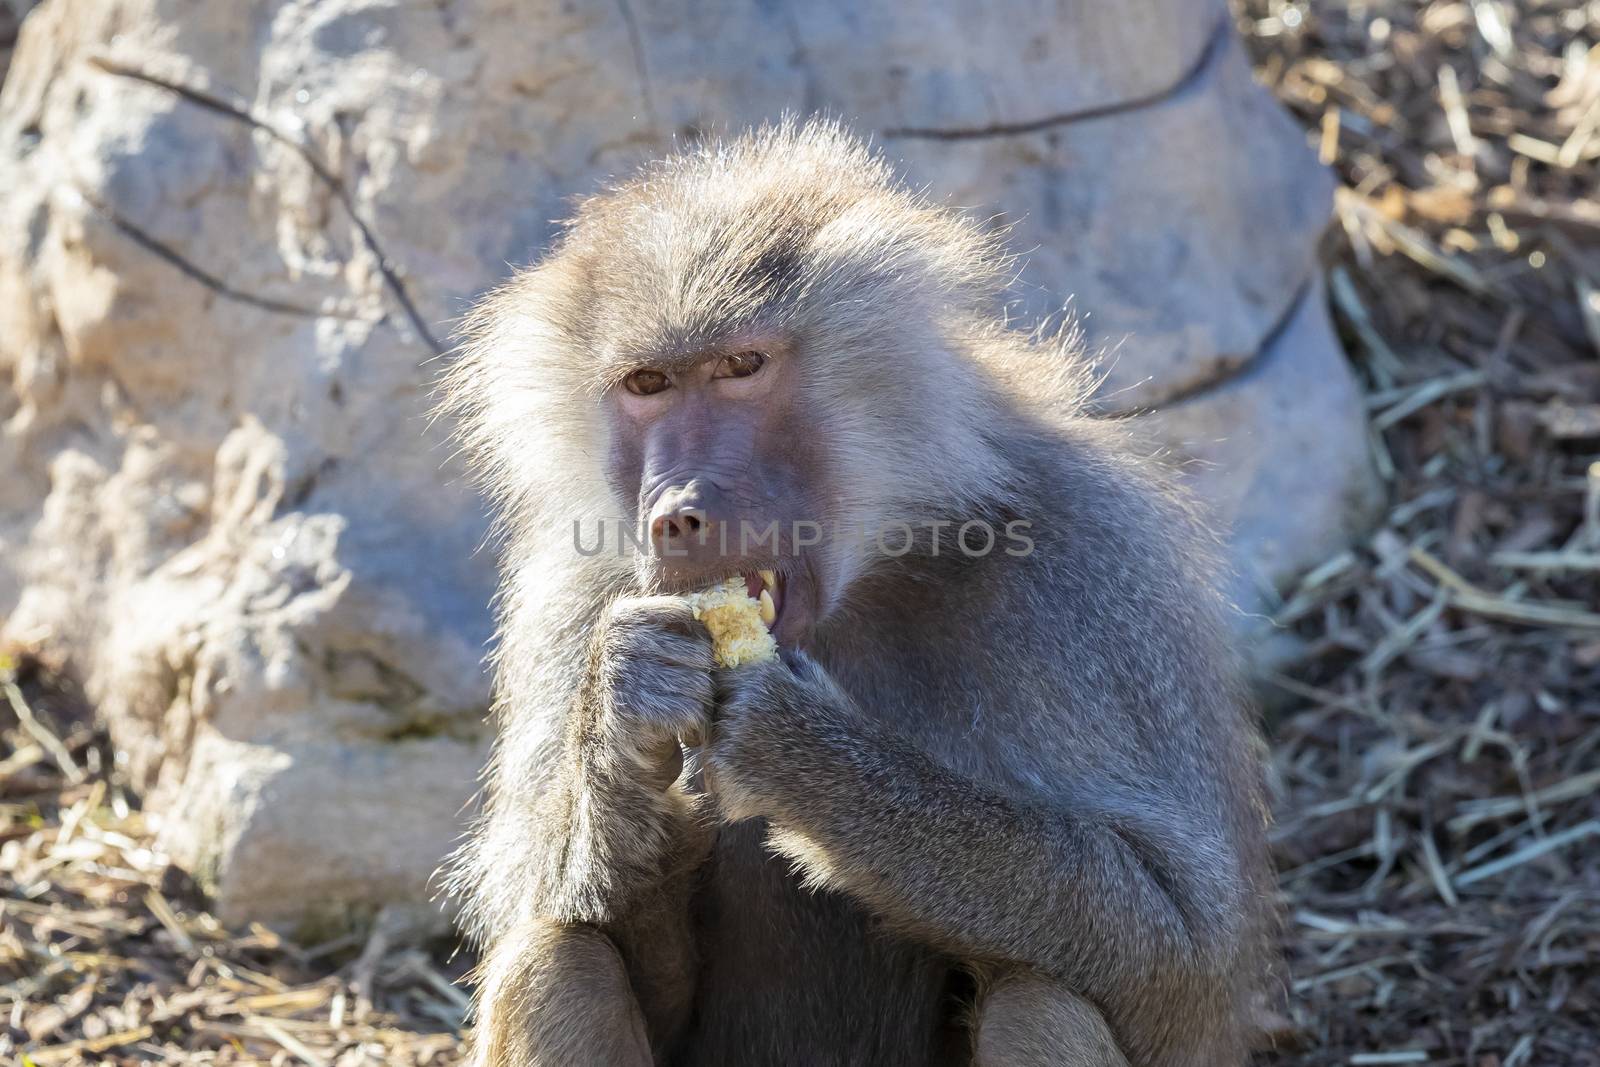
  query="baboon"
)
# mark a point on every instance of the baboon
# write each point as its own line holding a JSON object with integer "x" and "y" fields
{"x": 986, "y": 807}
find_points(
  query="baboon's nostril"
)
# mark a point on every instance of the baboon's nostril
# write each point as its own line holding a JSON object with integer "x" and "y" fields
{"x": 681, "y": 516}
{"x": 665, "y": 529}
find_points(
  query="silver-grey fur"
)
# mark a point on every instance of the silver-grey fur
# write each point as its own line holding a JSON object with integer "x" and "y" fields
{"x": 1036, "y": 771}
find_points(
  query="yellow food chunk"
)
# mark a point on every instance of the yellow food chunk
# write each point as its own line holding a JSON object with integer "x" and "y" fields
{"x": 738, "y": 634}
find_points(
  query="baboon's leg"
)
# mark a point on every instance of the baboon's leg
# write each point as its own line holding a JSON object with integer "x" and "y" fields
{"x": 1028, "y": 1021}
{"x": 559, "y": 996}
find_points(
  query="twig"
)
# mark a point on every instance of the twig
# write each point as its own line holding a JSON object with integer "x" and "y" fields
{"x": 36, "y": 729}
{"x": 1565, "y": 560}
{"x": 1531, "y": 852}
{"x": 1455, "y": 112}
{"x": 1348, "y": 301}
{"x": 168, "y": 918}
{"x": 1469, "y": 597}
{"x": 1436, "y": 872}
{"x": 1474, "y": 812}
{"x": 1428, "y": 392}
{"x": 291, "y": 1044}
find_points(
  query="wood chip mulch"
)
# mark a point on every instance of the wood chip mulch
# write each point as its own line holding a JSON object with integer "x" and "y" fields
{"x": 1437, "y": 753}
{"x": 108, "y": 956}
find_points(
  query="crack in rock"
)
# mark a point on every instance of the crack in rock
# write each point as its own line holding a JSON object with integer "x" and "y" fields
{"x": 239, "y": 111}
{"x": 1269, "y": 340}
{"x": 193, "y": 270}
{"x": 1216, "y": 43}
{"x": 636, "y": 45}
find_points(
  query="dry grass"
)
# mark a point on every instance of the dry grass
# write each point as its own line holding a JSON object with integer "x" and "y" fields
{"x": 1438, "y": 773}
{"x": 107, "y": 955}
{"x": 1436, "y": 760}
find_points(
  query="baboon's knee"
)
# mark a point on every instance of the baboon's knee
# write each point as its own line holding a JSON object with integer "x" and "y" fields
{"x": 556, "y": 995}
{"x": 1029, "y": 1021}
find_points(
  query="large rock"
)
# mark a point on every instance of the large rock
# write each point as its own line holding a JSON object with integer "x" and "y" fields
{"x": 235, "y": 233}
{"x": 11, "y": 12}
{"x": 1278, "y": 450}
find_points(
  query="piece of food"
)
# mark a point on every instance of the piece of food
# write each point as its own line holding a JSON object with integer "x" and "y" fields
{"x": 737, "y": 621}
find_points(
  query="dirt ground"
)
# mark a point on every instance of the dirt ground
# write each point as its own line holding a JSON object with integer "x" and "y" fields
{"x": 1435, "y": 747}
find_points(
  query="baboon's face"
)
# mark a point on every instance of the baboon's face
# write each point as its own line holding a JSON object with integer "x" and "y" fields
{"x": 768, "y": 345}
{"x": 714, "y": 444}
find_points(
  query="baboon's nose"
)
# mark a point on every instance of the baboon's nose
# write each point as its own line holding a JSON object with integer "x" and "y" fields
{"x": 684, "y": 518}
{"x": 680, "y": 524}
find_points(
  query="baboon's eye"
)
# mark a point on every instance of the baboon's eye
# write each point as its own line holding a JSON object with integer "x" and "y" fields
{"x": 740, "y": 365}
{"x": 645, "y": 382}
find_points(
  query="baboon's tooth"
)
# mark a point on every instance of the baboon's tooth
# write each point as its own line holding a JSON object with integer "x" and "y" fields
{"x": 769, "y": 610}
{"x": 768, "y": 579}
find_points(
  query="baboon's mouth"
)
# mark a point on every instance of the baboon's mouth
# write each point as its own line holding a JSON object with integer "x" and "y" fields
{"x": 765, "y": 588}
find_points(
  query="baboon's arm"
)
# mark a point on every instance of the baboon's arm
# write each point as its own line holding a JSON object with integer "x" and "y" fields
{"x": 1107, "y": 890}
{"x": 590, "y": 819}
{"x": 586, "y": 840}
{"x": 603, "y": 839}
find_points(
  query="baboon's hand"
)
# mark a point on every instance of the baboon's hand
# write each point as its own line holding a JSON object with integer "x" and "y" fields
{"x": 763, "y": 712}
{"x": 653, "y": 669}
